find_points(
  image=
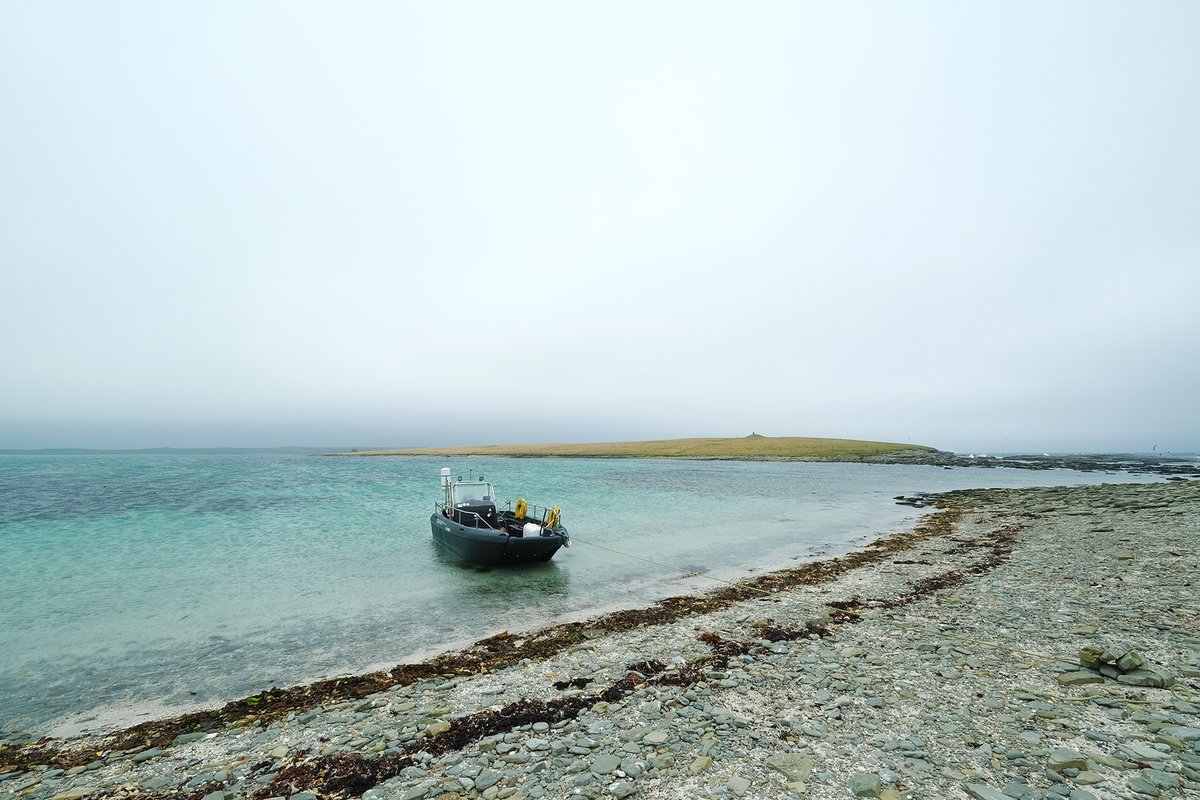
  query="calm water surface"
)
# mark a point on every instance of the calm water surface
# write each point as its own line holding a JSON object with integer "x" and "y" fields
{"x": 137, "y": 584}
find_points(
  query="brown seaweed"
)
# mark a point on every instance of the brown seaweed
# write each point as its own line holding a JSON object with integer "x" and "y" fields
{"x": 493, "y": 653}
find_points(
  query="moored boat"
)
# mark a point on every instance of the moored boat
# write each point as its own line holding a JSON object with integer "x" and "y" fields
{"x": 469, "y": 524}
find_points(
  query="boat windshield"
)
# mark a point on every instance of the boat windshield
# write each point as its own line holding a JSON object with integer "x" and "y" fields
{"x": 473, "y": 493}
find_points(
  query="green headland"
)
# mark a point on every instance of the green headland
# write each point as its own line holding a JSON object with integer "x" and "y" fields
{"x": 749, "y": 448}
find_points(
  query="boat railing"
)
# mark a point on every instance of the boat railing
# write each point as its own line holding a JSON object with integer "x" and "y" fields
{"x": 533, "y": 513}
{"x": 461, "y": 512}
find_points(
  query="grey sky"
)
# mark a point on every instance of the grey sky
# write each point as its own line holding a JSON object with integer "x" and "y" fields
{"x": 975, "y": 226}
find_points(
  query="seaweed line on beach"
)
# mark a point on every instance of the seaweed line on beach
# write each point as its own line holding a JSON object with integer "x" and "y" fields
{"x": 495, "y": 652}
{"x": 753, "y": 665}
{"x": 492, "y": 653}
{"x": 349, "y": 775}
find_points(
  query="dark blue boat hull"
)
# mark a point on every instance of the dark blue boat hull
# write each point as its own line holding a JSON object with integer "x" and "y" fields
{"x": 489, "y": 548}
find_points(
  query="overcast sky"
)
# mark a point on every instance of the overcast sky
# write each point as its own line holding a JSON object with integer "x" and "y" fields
{"x": 974, "y": 226}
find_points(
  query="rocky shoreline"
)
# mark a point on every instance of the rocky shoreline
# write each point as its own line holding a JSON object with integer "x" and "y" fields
{"x": 1022, "y": 644}
{"x": 1175, "y": 467}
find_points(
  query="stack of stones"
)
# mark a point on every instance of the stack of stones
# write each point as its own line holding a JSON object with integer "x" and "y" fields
{"x": 1119, "y": 662}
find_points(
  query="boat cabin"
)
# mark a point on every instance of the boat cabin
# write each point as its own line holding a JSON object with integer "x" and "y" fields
{"x": 472, "y": 504}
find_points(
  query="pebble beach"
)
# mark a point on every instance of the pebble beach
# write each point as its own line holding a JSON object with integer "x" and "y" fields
{"x": 1025, "y": 644}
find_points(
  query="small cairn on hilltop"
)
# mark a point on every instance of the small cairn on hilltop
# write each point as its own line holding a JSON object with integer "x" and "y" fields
{"x": 1119, "y": 662}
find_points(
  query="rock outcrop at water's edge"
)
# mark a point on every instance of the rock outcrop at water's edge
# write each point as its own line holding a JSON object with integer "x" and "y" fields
{"x": 1175, "y": 467}
{"x": 1020, "y": 644}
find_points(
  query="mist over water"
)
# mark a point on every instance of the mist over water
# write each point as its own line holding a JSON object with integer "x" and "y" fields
{"x": 167, "y": 581}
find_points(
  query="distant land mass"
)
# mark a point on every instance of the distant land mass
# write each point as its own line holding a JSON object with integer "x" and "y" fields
{"x": 749, "y": 448}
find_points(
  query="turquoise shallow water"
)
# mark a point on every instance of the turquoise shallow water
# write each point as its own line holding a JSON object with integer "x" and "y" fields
{"x": 138, "y": 584}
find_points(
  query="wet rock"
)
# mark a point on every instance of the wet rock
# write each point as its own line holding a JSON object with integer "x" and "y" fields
{"x": 1141, "y": 752}
{"x": 417, "y": 791}
{"x": 1019, "y": 791}
{"x": 487, "y": 778}
{"x": 1080, "y": 678}
{"x": 1182, "y": 733}
{"x": 1142, "y": 786}
{"x": 1062, "y": 759}
{"x": 623, "y": 789}
{"x": 1148, "y": 677}
{"x": 76, "y": 794}
{"x": 146, "y": 755}
{"x": 606, "y": 763}
{"x": 188, "y": 738}
{"x": 984, "y": 792}
{"x": 1130, "y": 661}
{"x": 1161, "y": 779}
{"x": 160, "y": 782}
{"x": 738, "y": 786}
{"x": 865, "y": 784}
{"x": 26, "y": 783}
{"x": 1091, "y": 657}
{"x": 793, "y": 766}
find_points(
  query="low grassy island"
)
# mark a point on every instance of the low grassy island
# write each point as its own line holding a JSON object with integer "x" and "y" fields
{"x": 749, "y": 448}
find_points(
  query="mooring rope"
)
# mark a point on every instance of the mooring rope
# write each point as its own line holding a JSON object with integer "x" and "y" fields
{"x": 675, "y": 567}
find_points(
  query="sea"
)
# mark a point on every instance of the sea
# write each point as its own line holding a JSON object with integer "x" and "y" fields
{"x": 143, "y": 585}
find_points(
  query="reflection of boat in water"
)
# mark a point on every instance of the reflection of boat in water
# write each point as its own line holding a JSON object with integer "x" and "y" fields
{"x": 480, "y": 587}
{"x": 468, "y": 524}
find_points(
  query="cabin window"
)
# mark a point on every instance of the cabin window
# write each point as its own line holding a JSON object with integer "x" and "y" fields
{"x": 473, "y": 493}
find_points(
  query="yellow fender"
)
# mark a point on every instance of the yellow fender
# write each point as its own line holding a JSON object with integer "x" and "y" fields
{"x": 552, "y": 517}
{"x": 522, "y": 509}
